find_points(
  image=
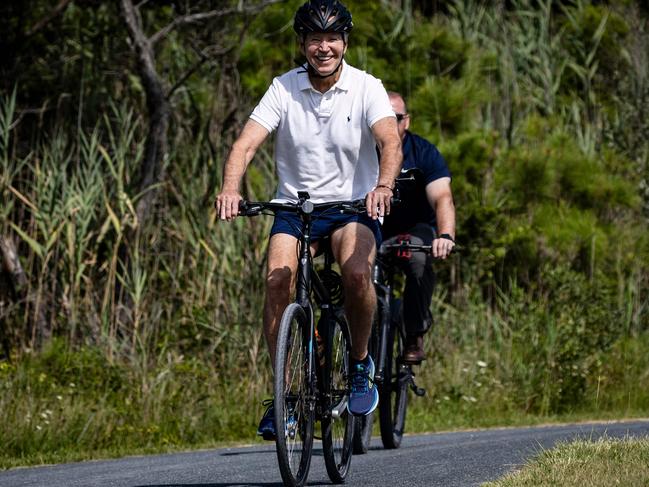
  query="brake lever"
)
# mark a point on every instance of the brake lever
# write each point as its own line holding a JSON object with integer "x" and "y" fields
{"x": 356, "y": 207}
{"x": 248, "y": 209}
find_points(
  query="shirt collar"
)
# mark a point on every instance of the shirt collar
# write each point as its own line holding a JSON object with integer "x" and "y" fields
{"x": 342, "y": 83}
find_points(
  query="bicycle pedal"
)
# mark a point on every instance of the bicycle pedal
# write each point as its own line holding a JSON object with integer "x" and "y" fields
{"x": 419, "y": 391}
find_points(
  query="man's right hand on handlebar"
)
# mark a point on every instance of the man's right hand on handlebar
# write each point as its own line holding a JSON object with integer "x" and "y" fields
{"x": 378, "y": 200}
{"x": 227, "y": 204}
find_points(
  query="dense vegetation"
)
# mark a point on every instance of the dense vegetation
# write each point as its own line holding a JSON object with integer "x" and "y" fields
{"x": 129, "y": 316}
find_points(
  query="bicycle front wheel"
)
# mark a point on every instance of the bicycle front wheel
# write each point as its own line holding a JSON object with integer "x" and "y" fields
{"x": 393, "y": 391}
{"x": 294, "y": 406}
{"x": 337, "y": 422}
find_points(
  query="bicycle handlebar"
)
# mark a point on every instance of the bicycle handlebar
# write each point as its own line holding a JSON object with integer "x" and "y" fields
{"x": 304, "y": 206}
{"x": 253, "y": 208}
{"x": 388, "y": 248}
{"x": 402, "y": 246}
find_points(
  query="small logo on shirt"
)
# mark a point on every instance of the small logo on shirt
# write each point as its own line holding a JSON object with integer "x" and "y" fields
{"x": 349, "y": 119}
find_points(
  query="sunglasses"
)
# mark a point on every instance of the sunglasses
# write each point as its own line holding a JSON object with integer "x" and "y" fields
{"x": 401, "y": 116}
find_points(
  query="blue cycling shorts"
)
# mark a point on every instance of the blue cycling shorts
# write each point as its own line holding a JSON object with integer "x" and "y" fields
{"x": 323, "y": 223}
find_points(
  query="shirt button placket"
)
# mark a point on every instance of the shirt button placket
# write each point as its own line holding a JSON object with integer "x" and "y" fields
{"x": 326, "y": 104}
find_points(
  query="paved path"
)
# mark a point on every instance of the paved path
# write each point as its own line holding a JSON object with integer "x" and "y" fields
{"x": 444, "y": 459}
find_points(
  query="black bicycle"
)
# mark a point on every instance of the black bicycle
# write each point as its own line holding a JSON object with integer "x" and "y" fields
{"x": 393, "y": 375}
{"x": 312, "y": 362}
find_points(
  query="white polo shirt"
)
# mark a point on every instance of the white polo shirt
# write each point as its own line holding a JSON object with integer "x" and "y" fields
{"x": 324, "y": 143}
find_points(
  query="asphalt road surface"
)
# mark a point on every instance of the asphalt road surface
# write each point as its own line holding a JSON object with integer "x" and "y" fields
{"x": 444, "y": 459}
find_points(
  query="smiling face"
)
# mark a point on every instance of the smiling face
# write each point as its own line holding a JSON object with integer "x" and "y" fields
{"x": 324, "y": 51}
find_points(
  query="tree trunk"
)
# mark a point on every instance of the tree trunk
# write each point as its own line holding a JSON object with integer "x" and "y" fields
{"x": 13, "y": 290}
{"x": 152, "y": 168}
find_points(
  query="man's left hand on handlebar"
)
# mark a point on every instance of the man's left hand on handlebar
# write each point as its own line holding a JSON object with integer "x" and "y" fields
{"x": 442, "y": 246}
{"x": 378, "y": 201}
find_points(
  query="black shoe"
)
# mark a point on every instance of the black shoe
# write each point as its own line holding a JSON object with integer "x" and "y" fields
{"x": 414, "y": 352}
{"x": 266, "y": 427}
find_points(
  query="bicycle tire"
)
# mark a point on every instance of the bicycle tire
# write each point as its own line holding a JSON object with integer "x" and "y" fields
{"x": 363, "y": 425}
{"x": 337, "y": 423}
{"x": 393, "y": 391}
{"x": 294, "y": 407}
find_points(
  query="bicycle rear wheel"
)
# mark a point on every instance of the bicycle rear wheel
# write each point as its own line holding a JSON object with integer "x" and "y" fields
{"x": 294, "y": 407}
{"x": 393, "y": 391}
{"x": 363, "y": 426}
{"x": 337, "y": 422}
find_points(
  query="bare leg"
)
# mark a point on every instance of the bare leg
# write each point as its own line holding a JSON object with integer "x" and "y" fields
{"x": 354, "y": 248}
{"x": 280, "y": 278}
{"x": 280, "y": 284}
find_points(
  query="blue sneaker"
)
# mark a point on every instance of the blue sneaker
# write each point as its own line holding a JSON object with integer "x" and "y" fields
{"x": 266, "y": 427}
{"x": 364, "y": 396}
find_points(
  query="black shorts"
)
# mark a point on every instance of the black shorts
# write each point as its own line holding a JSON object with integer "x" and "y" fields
{"x": 323, "y": 224}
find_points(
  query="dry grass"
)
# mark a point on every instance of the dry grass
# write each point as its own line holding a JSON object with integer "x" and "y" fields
{"x": 602, "y": 463}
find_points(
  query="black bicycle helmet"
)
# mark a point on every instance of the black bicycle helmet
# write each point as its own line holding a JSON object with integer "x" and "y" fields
{"x": 323, "y": 16}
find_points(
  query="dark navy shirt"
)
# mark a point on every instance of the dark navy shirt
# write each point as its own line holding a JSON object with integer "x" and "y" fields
{"x": 421, "y": 158}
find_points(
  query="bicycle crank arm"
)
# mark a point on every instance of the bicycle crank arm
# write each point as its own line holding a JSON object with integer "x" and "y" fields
{"x": 339, "y": 409}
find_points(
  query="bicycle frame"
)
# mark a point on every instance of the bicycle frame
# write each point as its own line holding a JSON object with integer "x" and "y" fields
{"x": 310, "y": 284}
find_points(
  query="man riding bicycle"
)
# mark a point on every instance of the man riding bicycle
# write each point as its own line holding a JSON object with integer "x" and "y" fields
{"x": 328, "y": 117}
{"x": 427, "y": 216}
